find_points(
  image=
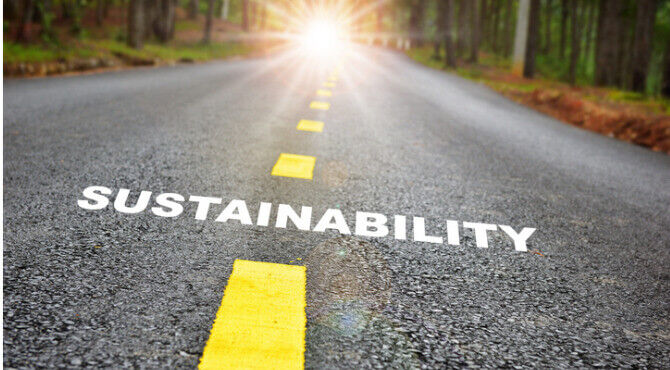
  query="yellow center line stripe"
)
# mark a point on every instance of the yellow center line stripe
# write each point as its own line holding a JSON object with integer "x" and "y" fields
{"x": 261, "y": 321}
{"x": 322, "y": 92}
{"x": 322, "y": 105}
{"x": 329, "y": 84}
{"x": 294, "y": 165}
{"x": 307, "y": 125}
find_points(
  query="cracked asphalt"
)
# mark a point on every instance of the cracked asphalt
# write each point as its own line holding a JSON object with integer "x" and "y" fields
{"x": 104, "y": 289}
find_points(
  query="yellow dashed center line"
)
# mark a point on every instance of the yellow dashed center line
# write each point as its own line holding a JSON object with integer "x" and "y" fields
{"x": 307, "y": 125}
{"x": 322, "y": 105}
{"x": 261, "y": 321}
{"x": 294, "y": 165}
{"x": 329, "y": 84}
{"x": 322, "y": 92}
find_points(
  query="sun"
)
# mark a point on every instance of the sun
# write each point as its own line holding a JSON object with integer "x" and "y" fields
{"x": 322, "y": 36}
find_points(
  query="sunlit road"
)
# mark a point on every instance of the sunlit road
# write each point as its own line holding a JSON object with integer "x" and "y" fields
{"x": 107, "y": 289}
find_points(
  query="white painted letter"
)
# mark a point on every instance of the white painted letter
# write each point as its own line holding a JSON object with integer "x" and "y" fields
{"x": 168, "y": 200}
{"x": 235, "y": 210}
{"x": 122, "y": 197}
{"x": 264, "y": 214}
{"x": 302, "y": 222}
{"x": 453, "y": 237}
{"x": 332, "y": 219}
{"x": 480, "y": 232}
{"x": 366, "y": 220}
{"x": 400, "y": 227}
{"x": 100, "y": 200}
{"x": 420, "y": 232}
{"x": 520, "y": 238}
{"x": 203, "y": 205}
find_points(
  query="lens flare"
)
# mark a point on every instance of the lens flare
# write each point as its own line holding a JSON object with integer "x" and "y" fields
{"x": 322, "y": 36}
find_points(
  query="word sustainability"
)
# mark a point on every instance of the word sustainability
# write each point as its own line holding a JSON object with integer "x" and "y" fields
{"x": 366, "y": 224}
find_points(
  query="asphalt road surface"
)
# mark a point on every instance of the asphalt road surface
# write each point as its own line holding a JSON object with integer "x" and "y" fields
{"x": 107, "y": 289}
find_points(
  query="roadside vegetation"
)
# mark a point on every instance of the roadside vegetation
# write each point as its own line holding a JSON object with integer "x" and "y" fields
{"x": 603, "y": 65}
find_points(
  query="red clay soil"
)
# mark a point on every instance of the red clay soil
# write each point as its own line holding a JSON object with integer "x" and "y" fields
{"x": 590, "y": 109}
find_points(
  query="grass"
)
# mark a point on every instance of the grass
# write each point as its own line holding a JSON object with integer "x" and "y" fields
{"x": 485, "y": 72}
{"x": 107, "y": 48}
{"x": 14, "y": 52}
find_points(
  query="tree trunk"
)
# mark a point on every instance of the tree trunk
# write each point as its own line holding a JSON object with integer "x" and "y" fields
{"x": 164, "y": 19}
{"x": 447, "y": 6}
{"x": 665, "y": 81}
{"x": 440, "y": 30}
{"x": 564, "y": 27}
{"x": 508, "y": 33}
{"x": 23, "y": 32}
{"x": 416, "y": 22}
{"x": 574, "y": 45}
{"x": 521, "y": 37}
{"x": 245, "y": 15}
{"x": 644, "y": 32}
{"x": 462, "y": 26}
{"x": 136, "y": 24}
{"x": 208, "y": 22}
{"x": 533, "y": 33}
{"x": 494, "y": 32}
{"x": 474, "y": 33}
{"x": 99, "y": 12}
{"x": 607, "y": 46}
{"x": 193, "y": 9}
{"x": 224, "y": 9}
{"x": 591, "y": 20}
{"x": 626, "y": 38}
{"x": 483, "y": 21}
{"x": 548, "y": 9}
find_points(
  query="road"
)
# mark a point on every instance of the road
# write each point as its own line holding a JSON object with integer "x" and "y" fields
{"x": 108, "y": 289}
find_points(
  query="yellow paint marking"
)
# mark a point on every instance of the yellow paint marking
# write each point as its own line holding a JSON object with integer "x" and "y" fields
{"x": 307, "y": 125}
{"x": 322, "y": 92}
{"x": 294, "y": 165}
{"x": 329, "y": 84}
{"x": 261, "y": 321}
{"x": 322, "y": 105}
{"x": 332, "y": 78}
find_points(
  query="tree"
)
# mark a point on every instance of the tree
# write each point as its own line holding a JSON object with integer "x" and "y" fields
{"x": 462, "y": 26}
{"x": 440, "y": 31}
{"x": 591, "y": 20}
{"x": 548, "y": 9}
{"x": 665, "y": 80}
{"x": 27, "y": 11}
{"x": 533, "y": 35}
{"x": 193, "y": 9}
{"x": 575, "y": 37}
{"x": 474, "y": 33}
{"x": 508, "y": 34}
{"x": 607, "y": 48}
{"x": 494, "y": 33}
{"x": 245, "y": 15}
{"x": 136, "y": 24}
{"x": 224, "y": 9}
{"x": 483, "y": 21}
{"x": 644, "y": 33}
{"x": 100, "y": 11}
{"x": 446, "y": 7}
{"x": 564, "y": 27}
{"x": 208, "y": 22}
{"x": 164, "y": 19}
{"x": 417, "y": 12}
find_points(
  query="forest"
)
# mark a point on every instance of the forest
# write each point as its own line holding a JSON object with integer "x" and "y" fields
{"x": 618, "y": 43}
